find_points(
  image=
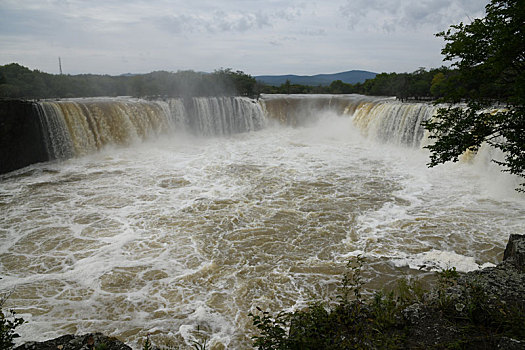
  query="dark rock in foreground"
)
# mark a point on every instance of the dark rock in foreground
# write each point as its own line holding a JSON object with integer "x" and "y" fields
{"x": 442, "y": 320}
{"x": 515, "y": 252}
{"x": 77, "y": 342}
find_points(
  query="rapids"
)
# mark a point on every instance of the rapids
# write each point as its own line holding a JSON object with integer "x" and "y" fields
{"x": 181, "y": 223}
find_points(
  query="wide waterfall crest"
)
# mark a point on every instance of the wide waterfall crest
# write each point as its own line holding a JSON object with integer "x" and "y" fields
{"x": 81, "y": 126}
{"x": 394, "y": 122}
{"x": 91, "y": 124}
{"x": 224, "y": 115}
{"x": 299, "y": 110}
{"x": 383, "y": 119}
{"x": 77, "y": 127}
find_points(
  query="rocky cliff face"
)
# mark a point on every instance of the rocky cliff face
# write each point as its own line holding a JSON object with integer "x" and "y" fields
{"x": 21, "y": 142}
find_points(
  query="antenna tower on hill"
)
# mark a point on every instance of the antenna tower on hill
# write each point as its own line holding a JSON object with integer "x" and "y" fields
{"x": 60, "y": 65}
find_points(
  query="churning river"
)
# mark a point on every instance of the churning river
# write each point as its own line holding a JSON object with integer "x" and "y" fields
{"x": 185, "y": 230}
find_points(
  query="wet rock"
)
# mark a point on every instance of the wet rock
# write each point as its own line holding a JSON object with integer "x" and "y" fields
{"x": 505, "y": 282}
{"x": 515, "y": 251}
{"x": 90, "y": 341}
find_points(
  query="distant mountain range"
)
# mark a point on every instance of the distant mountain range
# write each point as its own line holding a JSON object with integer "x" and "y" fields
{"x": 350, "y": 77}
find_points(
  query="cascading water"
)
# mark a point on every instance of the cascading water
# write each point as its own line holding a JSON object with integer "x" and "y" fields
{"x": 54, "y": 131}
{"x": 79, "y": 127}
{"x": 83, "y": 126}
{"x": 224, "y": 115}
{"x": 299, "y": 110}
{"x": 394, "y": 122}
{"x": 382, "y": 119}
{"x": 184, "y": 232}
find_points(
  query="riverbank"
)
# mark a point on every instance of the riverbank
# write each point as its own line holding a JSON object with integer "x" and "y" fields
{"x": 482, "y": 309}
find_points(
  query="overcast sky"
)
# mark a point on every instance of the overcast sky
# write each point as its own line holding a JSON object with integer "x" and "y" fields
{"x": 255, "y": 36}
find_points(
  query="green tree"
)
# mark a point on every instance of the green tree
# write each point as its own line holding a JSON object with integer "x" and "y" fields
{"x": 245, "y": 84}
{"x": 489, "y": 54}
{"x": 436, "y": 87}
{"x": 336, "y": 87}
{"x": 286, "y": 86}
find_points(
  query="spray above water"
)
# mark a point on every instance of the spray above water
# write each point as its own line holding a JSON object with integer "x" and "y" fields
{"x": 83, "y": 126}
{"x": 184, "y": 231}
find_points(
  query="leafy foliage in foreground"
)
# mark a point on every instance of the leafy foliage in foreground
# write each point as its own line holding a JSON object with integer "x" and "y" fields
{"x": 489, "y": 55}
{"x": 381, "y": 321}
{"x": 8, "y": 323}
{"x": 353, "y": 323}
{"x": 200, "y": 342}
{"x": 456, "y": 130}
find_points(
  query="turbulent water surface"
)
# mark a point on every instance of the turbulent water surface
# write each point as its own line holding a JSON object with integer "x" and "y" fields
{"x": 184, "y": 231}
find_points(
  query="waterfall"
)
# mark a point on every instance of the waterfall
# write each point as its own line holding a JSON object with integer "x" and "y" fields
{"x": 394, "y": 122}
{"x": 224, "y": 115}
{"x": 383, "y": 119}
{"x": 81, "y": 126}
{"x": 54, "y": 131}
{"x": 78, "y": 127}
{"x": 178, "y": 114}
{"x": 75, "y": 127}
{"x": 298, "y": 110}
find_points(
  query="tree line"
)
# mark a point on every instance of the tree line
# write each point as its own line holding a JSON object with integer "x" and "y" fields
{"x": 17, "y": 81}
{"x": 420, "y": 85}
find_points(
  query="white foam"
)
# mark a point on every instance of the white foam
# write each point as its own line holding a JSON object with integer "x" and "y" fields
{"x": 437, "y": 260}
{"x": 184, "y": 231}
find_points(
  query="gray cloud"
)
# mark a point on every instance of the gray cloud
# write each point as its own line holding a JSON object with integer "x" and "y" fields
{"x": 240, "y": 22}
{"x": 176, "y": 24}
{"x": 313, "y": 32}
{"x": 259, "y": 37}
{"x": 217, "y": 22}
{"x": 394, "y": 15}
{"x": 22, "y": 22}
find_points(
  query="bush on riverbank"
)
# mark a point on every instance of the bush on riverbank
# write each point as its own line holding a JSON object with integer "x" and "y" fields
{"x": 355, "y": 322}
{"x": 472, "y": 311}
{"x": 8, "y": 323}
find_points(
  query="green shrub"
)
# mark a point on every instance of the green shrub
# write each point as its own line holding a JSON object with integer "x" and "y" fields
{"x": 378, "y": 322}
{"x": 355, "y": 322}
{"x": 8, "y": 323}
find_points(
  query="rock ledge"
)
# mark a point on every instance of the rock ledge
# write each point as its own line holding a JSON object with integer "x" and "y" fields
{"x": 90, "y": 341}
